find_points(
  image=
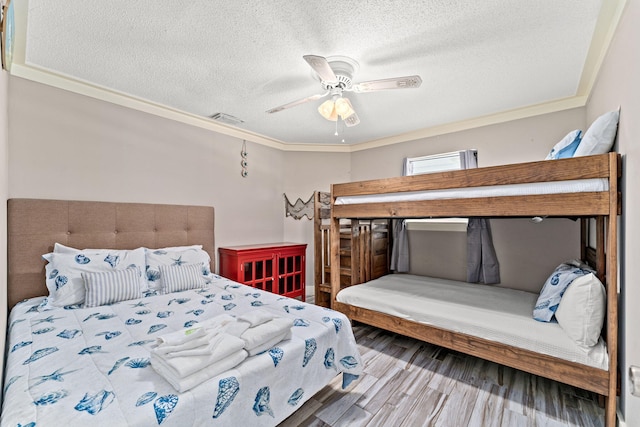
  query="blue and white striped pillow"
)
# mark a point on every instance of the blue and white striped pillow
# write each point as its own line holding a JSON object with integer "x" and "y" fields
{"x": 107, "y": 287}
{"x": 155, "y": 258}
{"x": 177, "y": 278}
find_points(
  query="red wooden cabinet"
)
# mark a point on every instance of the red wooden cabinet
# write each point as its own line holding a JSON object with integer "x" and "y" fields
{"x": 273, "y": 267}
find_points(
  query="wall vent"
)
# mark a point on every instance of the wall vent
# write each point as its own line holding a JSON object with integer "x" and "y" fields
{"x": 226, "y": 118}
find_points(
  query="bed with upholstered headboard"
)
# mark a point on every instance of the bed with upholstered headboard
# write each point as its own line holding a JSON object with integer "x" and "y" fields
{"x": 93, "y": 363}
{"x": 35, "y": 225}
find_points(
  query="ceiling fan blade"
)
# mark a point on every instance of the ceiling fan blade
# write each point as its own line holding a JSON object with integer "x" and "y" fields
{"x": 322, "y": 67}
{"x": 352, "y": 120}
{"x": 407, "y": 82}
{"x": 298, "y": 102}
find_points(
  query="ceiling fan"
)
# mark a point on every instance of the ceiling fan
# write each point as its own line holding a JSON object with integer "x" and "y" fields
{"x": 336, "y": 76}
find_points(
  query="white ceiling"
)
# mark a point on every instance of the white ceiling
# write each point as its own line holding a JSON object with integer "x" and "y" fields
{"x": 476, "y": 58}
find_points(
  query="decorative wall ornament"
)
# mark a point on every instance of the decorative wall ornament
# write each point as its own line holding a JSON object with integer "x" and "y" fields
{"x": 243, "y": 162}
{"x": 299, "y": 208}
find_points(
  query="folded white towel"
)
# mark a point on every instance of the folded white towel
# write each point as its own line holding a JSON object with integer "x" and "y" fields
{"x": 270, "y": 344}
{"x": 257, "y": 317}
{"x": 237, "y": 328}
{"x": 265, "y": 332}
{"x": 209, "y": 344}
{"x": 198, "y": 335}
{"x": 181, "y": 337}
{"x": 202, "y": 341}
{"x": 182, "y": 384}
{"x": 183, "y": 366}
{"x": 217, "y": 324}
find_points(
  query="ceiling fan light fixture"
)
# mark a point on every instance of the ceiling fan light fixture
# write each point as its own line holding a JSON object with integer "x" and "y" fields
{"x": 328, "y": 111}
{"x": 344, "y": 107}
{"x": 335, "y": 74}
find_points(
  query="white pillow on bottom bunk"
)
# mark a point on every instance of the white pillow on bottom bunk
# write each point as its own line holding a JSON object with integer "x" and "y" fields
{"x": 582, "y": 309}
{"x": 555, "y": 286}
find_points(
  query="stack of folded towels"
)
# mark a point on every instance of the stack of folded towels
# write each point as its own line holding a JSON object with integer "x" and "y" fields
{"x": 188, "y": 357}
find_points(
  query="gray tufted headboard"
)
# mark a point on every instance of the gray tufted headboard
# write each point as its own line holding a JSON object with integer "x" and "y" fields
{"x": 34, "y": 225}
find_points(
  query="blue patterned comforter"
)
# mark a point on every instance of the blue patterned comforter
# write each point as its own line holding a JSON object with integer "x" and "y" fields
{"x": 90, "y": 367}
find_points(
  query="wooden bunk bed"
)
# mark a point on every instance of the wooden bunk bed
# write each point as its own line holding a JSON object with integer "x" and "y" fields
{"x": 602, "y": 204}
{"x": 364, "y": 249}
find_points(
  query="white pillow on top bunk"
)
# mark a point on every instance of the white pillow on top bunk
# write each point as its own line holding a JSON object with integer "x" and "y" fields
{"x": 581, "y": 311}
{"x": 598, "y": 139}
{"x": 566, "y": 147}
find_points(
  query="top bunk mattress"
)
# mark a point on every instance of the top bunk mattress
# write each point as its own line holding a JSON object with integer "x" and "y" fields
{"x": 554, "y": 187}
{"x": 496, "y": 314}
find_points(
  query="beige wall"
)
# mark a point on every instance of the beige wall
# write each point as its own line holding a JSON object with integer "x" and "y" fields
{"x": 619, "y": 85}
{"x": 511, "y": 142}
{"x": 527, "y": 252}
{"x": 67, "y": 146}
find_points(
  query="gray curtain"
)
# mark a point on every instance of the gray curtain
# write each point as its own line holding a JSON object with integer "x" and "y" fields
{"x": 400, "y": 249}
{"x": 482, "y": 263}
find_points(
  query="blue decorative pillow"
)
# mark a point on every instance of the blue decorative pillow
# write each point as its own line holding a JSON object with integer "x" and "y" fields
{"x": 566, "y": 147}
{"x": 554, "y": 288}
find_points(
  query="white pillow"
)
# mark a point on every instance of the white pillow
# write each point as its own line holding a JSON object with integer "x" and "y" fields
{"x": 60, "y": 248}
{"x": 555, "y": 286}
{"x": 176, "y": 278}
{"x": 107, "y": 287}
{"x": 582, "y": 309}
{"x": 566, "y": 147}
{"x": 157, "y": 257}
{"x": 64, "y": 271}
{"x": 179, "y": 248}
{"x": 598, "y": 139}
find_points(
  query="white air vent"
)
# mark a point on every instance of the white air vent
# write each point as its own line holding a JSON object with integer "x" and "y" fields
{"x": 226, "y": 118}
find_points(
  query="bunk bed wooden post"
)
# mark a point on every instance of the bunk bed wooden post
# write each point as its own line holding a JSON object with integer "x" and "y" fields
{"x": 334, "y": 239}
{"x": 612, "y": 288}
{"x": 356, "y": 262}
{"x": 584, "y": 238}
{"x": 601, "y": 260}
{"x": 318, "y": 255}
{"x": 366, "y": 251}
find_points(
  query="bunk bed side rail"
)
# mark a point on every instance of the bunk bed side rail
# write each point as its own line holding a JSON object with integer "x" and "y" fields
{"x": 518, "y": 173}
{"x": 567, "y": 204}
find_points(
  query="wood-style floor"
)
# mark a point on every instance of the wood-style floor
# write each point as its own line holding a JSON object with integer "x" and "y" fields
{"x": 407, "y": 382}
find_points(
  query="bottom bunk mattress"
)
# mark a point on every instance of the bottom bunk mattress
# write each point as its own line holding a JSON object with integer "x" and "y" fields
{"x": 493, "y": 313}
{"x": 91, "y": 366}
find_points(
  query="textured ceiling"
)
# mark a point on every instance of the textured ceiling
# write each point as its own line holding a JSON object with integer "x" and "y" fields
{"x": 245, "y": 57}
